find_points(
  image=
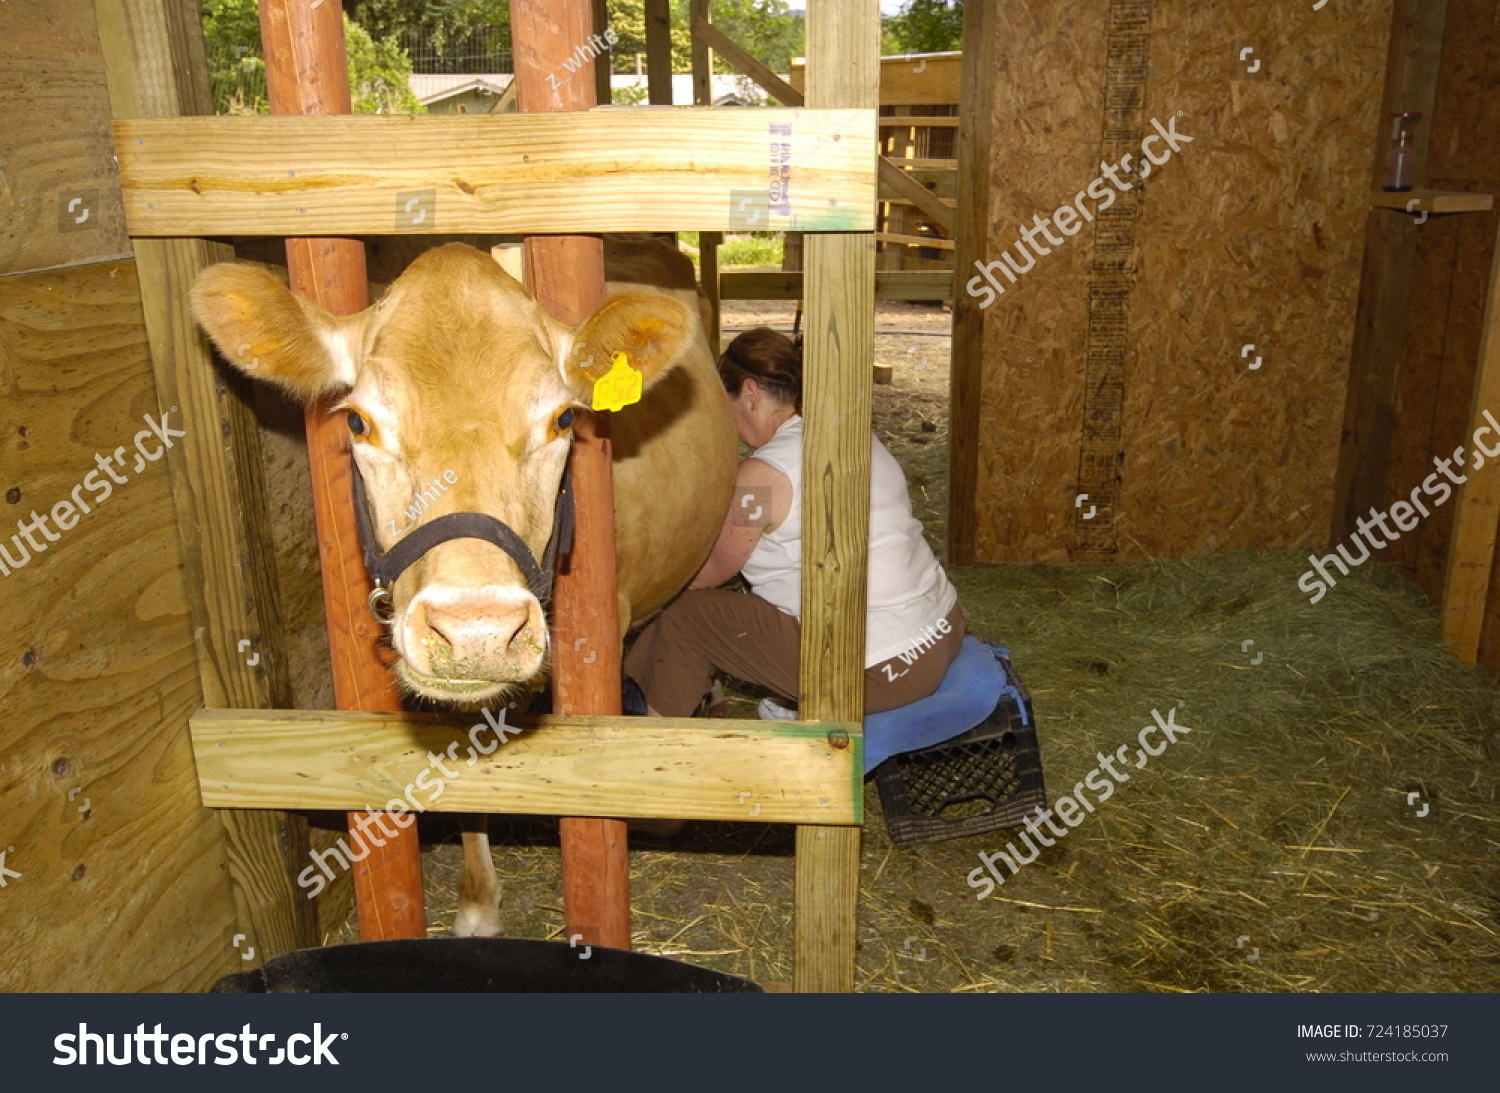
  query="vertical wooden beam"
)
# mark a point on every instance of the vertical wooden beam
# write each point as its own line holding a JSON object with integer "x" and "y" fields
{"x": 155, "y": 66}
{"x": 971, "y": 238}
{"x": 1380, "y": 328}
{"x": 307, "y": 72}
{"x": 566, "y": 274}
{"x": 843, "y": 63}
{"x": 1476, "y": 521}
{"x": 606, "y": 64}
{"x": 708, "y": 242}
{"x": 659, "y": 52}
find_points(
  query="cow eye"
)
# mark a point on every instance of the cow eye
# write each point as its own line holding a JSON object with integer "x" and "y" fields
{"x": 564, "y": 420}
{"x": 357, "y": 424}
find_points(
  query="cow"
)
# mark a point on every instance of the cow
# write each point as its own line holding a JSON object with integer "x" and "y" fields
{"x": 460, "y": 393}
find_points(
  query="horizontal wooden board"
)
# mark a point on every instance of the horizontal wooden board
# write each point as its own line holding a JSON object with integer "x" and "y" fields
{"x": 610, "y": 169}
{"x": 1432, "y": 201}
{"x": 914, "y": 240}
{"x": 663, "y": 768}
{"x": 912, "y": 79}
{"x": 918, "y": 121}
{"x": 787, "y": 285}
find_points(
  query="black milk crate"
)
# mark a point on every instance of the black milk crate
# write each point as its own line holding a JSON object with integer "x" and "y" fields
{"x": 985, "y": 779}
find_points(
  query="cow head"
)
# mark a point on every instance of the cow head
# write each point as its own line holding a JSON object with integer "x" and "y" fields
{"x": 460, "y": 394}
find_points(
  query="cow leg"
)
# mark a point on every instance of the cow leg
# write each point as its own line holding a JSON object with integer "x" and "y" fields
{"x": 479, "y": 890}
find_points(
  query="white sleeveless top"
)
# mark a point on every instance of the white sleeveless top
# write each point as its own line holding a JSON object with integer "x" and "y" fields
{"x": 908, "y": 590}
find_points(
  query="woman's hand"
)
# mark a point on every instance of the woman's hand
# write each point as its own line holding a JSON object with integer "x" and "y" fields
{"x": 760, "y": 503}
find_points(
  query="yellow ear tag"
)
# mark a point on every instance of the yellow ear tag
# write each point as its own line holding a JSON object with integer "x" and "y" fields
{"x": 618, "y": 387}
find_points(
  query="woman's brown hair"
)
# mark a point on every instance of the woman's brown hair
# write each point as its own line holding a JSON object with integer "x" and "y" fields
{"x": 768, "y": 357}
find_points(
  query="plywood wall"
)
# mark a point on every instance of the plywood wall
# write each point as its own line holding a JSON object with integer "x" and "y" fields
{"x": 1114, "y": 367}
{"x": 59, "y": 193}
{"x": 123, "y": 883}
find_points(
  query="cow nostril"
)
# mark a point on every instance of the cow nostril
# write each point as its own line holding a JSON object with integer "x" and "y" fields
{"x": 472, "y": 631}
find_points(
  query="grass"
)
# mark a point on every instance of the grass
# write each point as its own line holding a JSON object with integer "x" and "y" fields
{"x": 751, "y": 250}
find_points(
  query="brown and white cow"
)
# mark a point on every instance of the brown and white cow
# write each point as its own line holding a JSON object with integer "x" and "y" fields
{"x": 457, "y": 376}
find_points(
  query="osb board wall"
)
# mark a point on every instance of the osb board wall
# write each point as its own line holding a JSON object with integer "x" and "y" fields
{"x": 1454, "y": 260}
{"x": 59, "y": 192}
{"x": 123, "y": 881}
{"x": 1250, "y": 235}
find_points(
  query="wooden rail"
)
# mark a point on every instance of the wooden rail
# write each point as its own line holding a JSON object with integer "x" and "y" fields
{"x": 890, "y": 284}
{"x": 494, "y": 173}
{"x": 667, "y": 768}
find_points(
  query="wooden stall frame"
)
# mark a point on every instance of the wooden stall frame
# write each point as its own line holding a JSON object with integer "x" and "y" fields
{"x": 307, "y": 73}
{"x": 565, "y": 274}
{"x": 843, "y": 41}
{"x": 971, "y": 240}
{"x": 156, "y": 67}
{"x": 1476, "y": 519}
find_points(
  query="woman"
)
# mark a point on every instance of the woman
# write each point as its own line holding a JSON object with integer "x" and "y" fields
{"x": 914, "y": 625}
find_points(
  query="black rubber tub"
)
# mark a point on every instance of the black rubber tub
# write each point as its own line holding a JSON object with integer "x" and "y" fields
{"x": 469, "y": 965}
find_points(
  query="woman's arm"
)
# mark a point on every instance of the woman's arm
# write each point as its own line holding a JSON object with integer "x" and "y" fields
{"x": 761, "y": 500}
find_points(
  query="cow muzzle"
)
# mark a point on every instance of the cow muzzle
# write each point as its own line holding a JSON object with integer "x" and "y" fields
{"x": 465, "y": 644}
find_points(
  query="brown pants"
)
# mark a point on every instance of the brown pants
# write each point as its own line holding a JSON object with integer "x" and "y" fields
{"x": 739, "y": 633}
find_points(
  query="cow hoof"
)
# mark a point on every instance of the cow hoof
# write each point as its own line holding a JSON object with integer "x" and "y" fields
{"x": 478, "y": 922}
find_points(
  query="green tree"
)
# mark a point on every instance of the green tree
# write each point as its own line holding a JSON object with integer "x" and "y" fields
{"x": 379, "y": 73}
{"x": 379, "y": 69}
{"x": 767, "y": 29}
{"x": 925, "y": 26}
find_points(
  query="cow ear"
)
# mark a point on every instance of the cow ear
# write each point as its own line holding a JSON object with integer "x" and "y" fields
{"x": 653, "y": 330}
{"x": 270, "y": 334}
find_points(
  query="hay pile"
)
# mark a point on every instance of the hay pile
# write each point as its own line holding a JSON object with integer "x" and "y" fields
{"x": 1282, "y": 819}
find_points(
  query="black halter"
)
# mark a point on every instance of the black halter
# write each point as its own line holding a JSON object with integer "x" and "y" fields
{"x": 385, "y": 568}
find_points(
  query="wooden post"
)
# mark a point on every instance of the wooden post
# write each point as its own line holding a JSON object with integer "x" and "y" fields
{"x": 971, "y": 238}
{"x": 842, "y": 71}
{"x": 1476, "y": 521}
{"x": 566, "y": 274}
{"x": 658, "y": 52}
{"x": 155, "y": 67}
{"x": 708, "y": 241}
{"x": 307, "y": 72}
{"x": 604, "y": 66}
{"x": 1390, "y": 256}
